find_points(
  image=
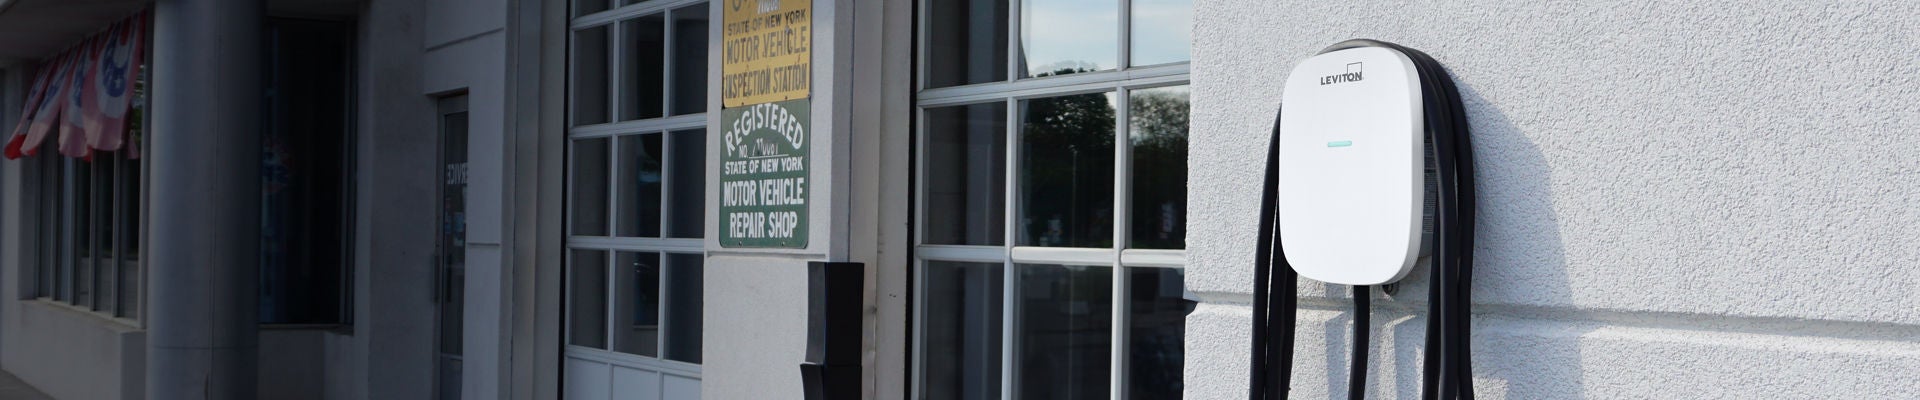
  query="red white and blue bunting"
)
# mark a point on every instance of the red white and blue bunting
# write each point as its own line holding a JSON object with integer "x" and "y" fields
{"x": 84, "y": 95}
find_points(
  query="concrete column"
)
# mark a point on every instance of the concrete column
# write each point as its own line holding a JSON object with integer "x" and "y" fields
{"x": 202, "y": 313}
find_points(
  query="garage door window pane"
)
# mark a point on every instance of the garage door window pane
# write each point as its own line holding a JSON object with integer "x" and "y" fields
{"x": 962, "y": 330}
{"x": 1059, "y": 37}
{"x": 966, "y": 174}
{"x": 590, "y": 187}
{"x": 587, "y": 310}
{"x": 590, "y": 89}
{"x": 685, "y": 278}
{"x": 1066, "y": 171}
{"x": 966, "y": 42}
{"x": 1162, "y": 31}
{"x": 636, "y": 306}
{"x": 1065, "y": 335}
{"x": 643, "y": 43}
{"x": 1156, "y": 347}
{"x": 640, "y": 182}
{"x": 688, "y": 178}
{"x": 1157, "y": 129}
{"x": 690, "y": 60}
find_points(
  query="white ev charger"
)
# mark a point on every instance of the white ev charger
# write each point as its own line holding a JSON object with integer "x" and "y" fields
{"x": 1369, "y": 170}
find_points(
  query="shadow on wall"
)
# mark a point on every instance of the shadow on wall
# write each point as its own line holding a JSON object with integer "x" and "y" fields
{"x": 1516, "y": 229}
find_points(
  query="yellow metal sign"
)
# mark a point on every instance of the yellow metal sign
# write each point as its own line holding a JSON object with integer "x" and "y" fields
{"x": 767, "y": 51}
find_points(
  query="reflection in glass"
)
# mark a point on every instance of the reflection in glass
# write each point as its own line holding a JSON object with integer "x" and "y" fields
{"x": 1156, "y": 330}
{"x": 1157, "y": 129}
{"x": 1059, "y": 37}
{"x": 1162, "y": 31}
{"x": 584, "y": 7}
{"x": 1066, "y": 171}
{"x": 590, "y": 76}
{"x": 589, "y": 187}
{"x": 961, "y": 328}
{"x": 686, "y": 274}
{"x": 690, "y": 60}
{"x": 1065, "y": 331}
{"x": 639, "y": 185}
{"x": 637, "y": 303}
{"x": 966, "y": 42}
{"x": 587, "y": 299}
{"x": 452, "y": 337}
{"x": 643, "y": 43}
{"x": 688, "y": 179}
{"x": 966, "y": 174}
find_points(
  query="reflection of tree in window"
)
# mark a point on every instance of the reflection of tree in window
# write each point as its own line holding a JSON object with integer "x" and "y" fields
{"x": 1065, "y": 340}
{"x": 1157, "y": 122}
{"x": 1067, "y": 170}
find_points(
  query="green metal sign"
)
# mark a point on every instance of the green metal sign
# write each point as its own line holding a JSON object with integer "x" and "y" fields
{"x": 763, "y": 175}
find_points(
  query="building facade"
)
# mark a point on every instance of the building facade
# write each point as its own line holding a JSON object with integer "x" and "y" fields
{"x": 1048, "y": 199}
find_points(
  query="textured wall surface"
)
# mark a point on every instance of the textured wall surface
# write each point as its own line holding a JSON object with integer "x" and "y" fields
{"x": 1677, "y": 199}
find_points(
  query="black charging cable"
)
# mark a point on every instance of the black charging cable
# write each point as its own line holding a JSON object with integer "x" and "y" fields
{"x": 1447, "y": 368}
{"x": 1362, "y": 327}
{"x": 1273, "y": 289}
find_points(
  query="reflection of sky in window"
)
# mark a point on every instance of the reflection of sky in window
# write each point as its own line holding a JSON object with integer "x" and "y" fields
{"x": 1162, "y": 31}
{"x": 1085, "y": 33}
{"x": 1069, "y": 34}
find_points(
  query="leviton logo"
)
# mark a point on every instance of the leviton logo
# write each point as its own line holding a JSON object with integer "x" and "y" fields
{"x": 1352, "y": 75}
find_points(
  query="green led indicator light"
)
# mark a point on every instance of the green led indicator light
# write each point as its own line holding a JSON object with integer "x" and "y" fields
{"x": 1341, "y": 143}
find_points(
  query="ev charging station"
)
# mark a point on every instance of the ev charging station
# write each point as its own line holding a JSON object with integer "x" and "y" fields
{"x": 1369, "y": 169}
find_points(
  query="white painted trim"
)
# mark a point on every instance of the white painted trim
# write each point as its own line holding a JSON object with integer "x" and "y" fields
{"x": 934, "y": 252}
{"x": 1153, "y": 258}
{"x": 1063, "y": 256}
{"x": 669, "y": 245}
{"x": 628, "y": 12}
{"x": 1054, "y": 85}
{"x": 660, "y": 365}
{"x": 653, "y": 125}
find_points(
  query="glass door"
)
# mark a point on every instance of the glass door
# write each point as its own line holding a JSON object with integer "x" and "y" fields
{"x": 450, "y": 273}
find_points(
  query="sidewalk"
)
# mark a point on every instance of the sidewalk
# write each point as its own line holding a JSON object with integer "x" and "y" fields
{"x": 11, "y": 388}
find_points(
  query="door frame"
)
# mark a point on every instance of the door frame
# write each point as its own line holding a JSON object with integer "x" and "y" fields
{"x": 444, "y": 106}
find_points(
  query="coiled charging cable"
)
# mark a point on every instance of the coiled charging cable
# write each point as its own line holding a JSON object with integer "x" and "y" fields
{"x": 1447, "y": 369}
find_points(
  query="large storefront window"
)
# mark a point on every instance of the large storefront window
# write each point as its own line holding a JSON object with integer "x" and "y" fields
{"x": 84, "y": 192}
{"x": 306, "y": 174}
{"x": 636, "y": 168}
{"x": 88, "y": 211}
{"x": 1052, "y": 204}
{"x": 88, "y": 241}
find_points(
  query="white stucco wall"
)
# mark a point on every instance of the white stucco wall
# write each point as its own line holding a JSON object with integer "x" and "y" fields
{"x": 1678, "y": 199}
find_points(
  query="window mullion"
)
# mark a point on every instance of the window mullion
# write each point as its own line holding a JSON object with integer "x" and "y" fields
{"x": 616, "y": 77}
{"x": 68, "y": 250}
{"x": 665, "y": 272}
{"x": 1009, "y": 324}
{"x": 919, "y": 180}
{"x": 666, "y": 183}
{"x": 1123, "y": 172}
{"x": 613, "y": 188}
{"x": 1117, "y": 381}
{"x": 102, "y": 214}
{"x": 610, "y": 260}
{"x": 94, "y": 211}
{"x": 1125, "y": 57}
{"x": 116, "y": 214}
{"x": 1122, "y": 227}
{"x": 1014, "y": 16}
{"x": 572, "y": 181}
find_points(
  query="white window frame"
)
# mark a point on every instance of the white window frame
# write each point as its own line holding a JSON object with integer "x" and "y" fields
{"x": 1121, "y": 80}
{"x": 611, "y": 243}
